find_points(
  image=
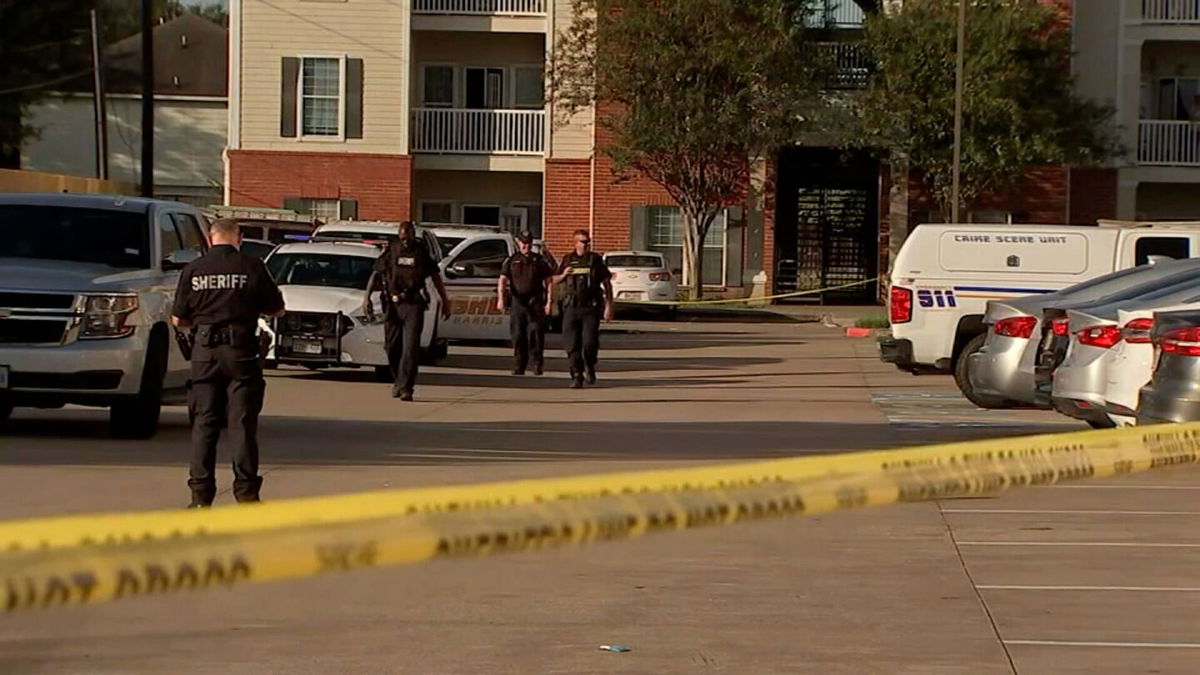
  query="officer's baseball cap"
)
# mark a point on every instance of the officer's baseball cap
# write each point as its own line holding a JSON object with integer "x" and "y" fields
{"x": 525, "y": 236}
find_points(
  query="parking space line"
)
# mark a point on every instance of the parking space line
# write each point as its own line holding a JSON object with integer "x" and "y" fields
{"x": 1121, "y": 487}
{"x": 1074, "y": 512}
{"x": 1130, "y": 645}
{"x": 1131, "y": 589}
{"x": 1093, "y": 544}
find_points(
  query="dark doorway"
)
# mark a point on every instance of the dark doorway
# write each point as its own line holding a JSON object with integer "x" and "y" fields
{"x": 827, "y": 225}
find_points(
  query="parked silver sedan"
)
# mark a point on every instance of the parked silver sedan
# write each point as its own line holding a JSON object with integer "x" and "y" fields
{"x": 1003, "y": 371}
{"x": 1173, "y": 394}
{"x": 1080, "y": 382}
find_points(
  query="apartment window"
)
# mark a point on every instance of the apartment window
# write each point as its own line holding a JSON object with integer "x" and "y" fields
{"x": 481, "y": 215}
{"x": 320, "y": 96}
{"x": 1179, "y": 99}
{"x": 666, "y": 236}
{"x": 438, "y": 86}
{"x": 527, "y": 88}
{"x": 437, "y": 212}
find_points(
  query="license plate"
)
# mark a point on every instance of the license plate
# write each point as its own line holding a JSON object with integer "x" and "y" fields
{"x": 308, "y": 347}
{"x": 633, "y": 275}
{"x": 3, "y": 377}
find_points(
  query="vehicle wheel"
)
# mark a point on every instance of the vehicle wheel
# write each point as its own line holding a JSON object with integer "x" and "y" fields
{"x": 963, "y": 381}
{"x": 436, "y": 352}
{"x": 6, "y": 410}
{"x": 1105, "y": 424}
{"x": 137, "y": 418}
{"x": 384, "y": 374}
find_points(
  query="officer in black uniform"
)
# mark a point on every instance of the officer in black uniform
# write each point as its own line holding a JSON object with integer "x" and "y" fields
{"x": 222, "y": 295}
{"x": 401, "y": 273}
{"x": 587, "y": 296}
{"x": 525, "y": 278}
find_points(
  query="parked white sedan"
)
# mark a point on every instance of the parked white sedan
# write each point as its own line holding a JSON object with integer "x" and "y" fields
{"x": 641, "y": 275}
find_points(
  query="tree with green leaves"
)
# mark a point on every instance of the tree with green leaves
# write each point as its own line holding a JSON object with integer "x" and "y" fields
{"x": 1020, "y": 108}
{"x": 693, "y": 93}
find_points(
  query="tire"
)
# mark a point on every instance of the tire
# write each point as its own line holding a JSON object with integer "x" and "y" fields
{"x": 963, "y": 380}
{"x": 384, "y": 374}
{"x": 6, "y": 411}
{"x": 1106, "y": 424}
{"x": 137, "y": 418}
{"x": 436, "y": 352}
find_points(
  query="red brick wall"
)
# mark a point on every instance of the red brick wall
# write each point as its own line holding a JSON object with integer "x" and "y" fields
{"x": 1093, "y": 195}
{"x": 382, "y": 184}
{"x": 1040, "y": 198}
{"x": 566, "y": 206}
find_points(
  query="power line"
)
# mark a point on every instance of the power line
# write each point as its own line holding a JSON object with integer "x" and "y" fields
{"x": 48, "y": 83}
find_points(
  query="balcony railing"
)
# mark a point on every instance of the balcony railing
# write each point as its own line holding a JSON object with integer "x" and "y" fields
{"x": 836, "y": 14}
{"x": 1169, "y": 143}
{"x": 479, "y": 132}
{"x": 849, "y": 63}
{"x": 1171, "y": 11}
{"x": 481, "y": 7}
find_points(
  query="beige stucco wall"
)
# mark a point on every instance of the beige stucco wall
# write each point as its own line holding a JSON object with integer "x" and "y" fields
{"x": 372, "y": 30}
{"x": 189, "y": 137}
{"x": 569, "y": 138}
{"x": 1095, "y": 33}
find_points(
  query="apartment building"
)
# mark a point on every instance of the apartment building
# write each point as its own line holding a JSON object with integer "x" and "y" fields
{"x": 1143, "y": 58}
{"x": 434, "y": 110}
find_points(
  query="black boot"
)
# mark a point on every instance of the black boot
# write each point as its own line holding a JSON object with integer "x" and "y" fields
{"x": 591, "y": 375}
{"x": 203, "y": 494}
{"x": 246, "y": 491}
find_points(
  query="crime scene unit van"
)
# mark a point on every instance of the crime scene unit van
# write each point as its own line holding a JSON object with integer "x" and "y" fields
{"x": 945, "y": 274}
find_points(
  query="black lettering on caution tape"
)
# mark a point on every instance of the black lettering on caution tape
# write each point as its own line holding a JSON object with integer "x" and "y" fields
{"x": 344, "y": 557}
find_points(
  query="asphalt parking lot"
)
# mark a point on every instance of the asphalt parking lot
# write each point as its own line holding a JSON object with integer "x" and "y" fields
{"x": 1096, "y": 577}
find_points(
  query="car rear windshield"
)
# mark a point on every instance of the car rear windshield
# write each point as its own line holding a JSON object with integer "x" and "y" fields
{"x": 315, "y": 269}
{"x": 333, "y": 235}
{"x": 448, "y": 243}
{"x": 634, "y": 261}
{"x": 119, "y": 239}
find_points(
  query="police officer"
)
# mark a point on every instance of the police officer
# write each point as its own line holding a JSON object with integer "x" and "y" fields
{"x": 221, "y": 296}
{"x": 401, "y": 273}
{"x": 587, "y": 296}
{"x": 525, "y": 277}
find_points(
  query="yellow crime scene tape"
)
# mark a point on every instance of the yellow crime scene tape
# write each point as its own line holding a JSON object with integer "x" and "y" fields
{"x": 763, "y": 298}
{"x": 89, "y": 559}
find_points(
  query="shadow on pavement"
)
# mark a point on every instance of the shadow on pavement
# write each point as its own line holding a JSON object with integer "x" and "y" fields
{"x": 310, "y": 441}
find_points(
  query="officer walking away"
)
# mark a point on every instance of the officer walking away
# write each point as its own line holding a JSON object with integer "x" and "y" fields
{"x": 222, "y": 295}
{"x": 525, "y": 278}
{"x": 587, "y": 296}
{"x": 401, "y": 273}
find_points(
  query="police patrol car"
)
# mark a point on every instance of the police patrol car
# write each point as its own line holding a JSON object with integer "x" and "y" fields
{"x": 324, "y": 325}
{"x": 945, "y": 274}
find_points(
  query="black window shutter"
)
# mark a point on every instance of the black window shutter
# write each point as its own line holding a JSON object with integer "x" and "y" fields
{"x": 287, "y": 97}
{"x": 354, "y": 98}
{"x": 297, "y": 204}
{"x": 639, "y": 228}
{"x": 348, "y": 209}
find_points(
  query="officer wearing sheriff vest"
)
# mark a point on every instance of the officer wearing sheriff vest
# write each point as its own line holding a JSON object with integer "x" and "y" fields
{"x": 587, "y": 296}
{"x": 401, "y": 273}
{"x": 221, "y": 296}
{"x": 525, "y": 279}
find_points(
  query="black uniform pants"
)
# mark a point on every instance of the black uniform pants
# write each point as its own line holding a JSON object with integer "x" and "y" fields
{"x": 402, "y": 337}
{"x": 527, "y": 327}
{"x": 581, "y": 337}
{"x": 227, "y": 392}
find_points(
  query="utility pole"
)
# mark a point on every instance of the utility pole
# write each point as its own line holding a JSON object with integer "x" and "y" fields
{"x": 147, "y": 98}
{"x": 100, "y": 109}
{"x": 958, "y": 109}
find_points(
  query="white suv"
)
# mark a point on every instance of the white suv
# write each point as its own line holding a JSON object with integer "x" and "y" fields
{"x": 87, "y": 284}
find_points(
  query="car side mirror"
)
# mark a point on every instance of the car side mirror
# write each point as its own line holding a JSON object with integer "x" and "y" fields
{"x": 177, "y": 260}
{"x": 461, "y": 270}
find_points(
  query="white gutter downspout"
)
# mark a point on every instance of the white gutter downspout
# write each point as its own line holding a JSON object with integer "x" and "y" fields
{"x": 234, "y": 132}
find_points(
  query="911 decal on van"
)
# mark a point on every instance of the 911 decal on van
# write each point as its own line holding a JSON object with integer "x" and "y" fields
{"x": 936, "y": 299}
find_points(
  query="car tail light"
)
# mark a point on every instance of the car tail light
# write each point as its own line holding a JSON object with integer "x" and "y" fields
{"x": 1061, "y": 326}
{"x": 901, "y": 305}
{"x": 1015, "y": 327}
{"x": 1100, "y": 336}
{"x": 660, "y": 276}
{"x": 1182, "y": 341}
{"x": 1137, "y": 331}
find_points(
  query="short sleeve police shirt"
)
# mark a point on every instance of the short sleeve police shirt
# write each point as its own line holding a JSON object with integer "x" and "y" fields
{"x": 586, "y": 275}
{"x": 527, "y": 274}
{"x": 395, "y": 254}
{"x": 226, "y": 287}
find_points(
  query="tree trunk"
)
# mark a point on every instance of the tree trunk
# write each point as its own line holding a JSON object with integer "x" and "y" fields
{"x": 693, "y": 251}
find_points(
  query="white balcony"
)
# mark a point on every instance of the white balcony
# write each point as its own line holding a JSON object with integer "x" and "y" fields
{"x": 481, "y": 7}
{"x": 1168, "y": 143}
{"x": 1170, "y": 11}
{"x": 836, "y": 14}
{"x": 479, "y": 132}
